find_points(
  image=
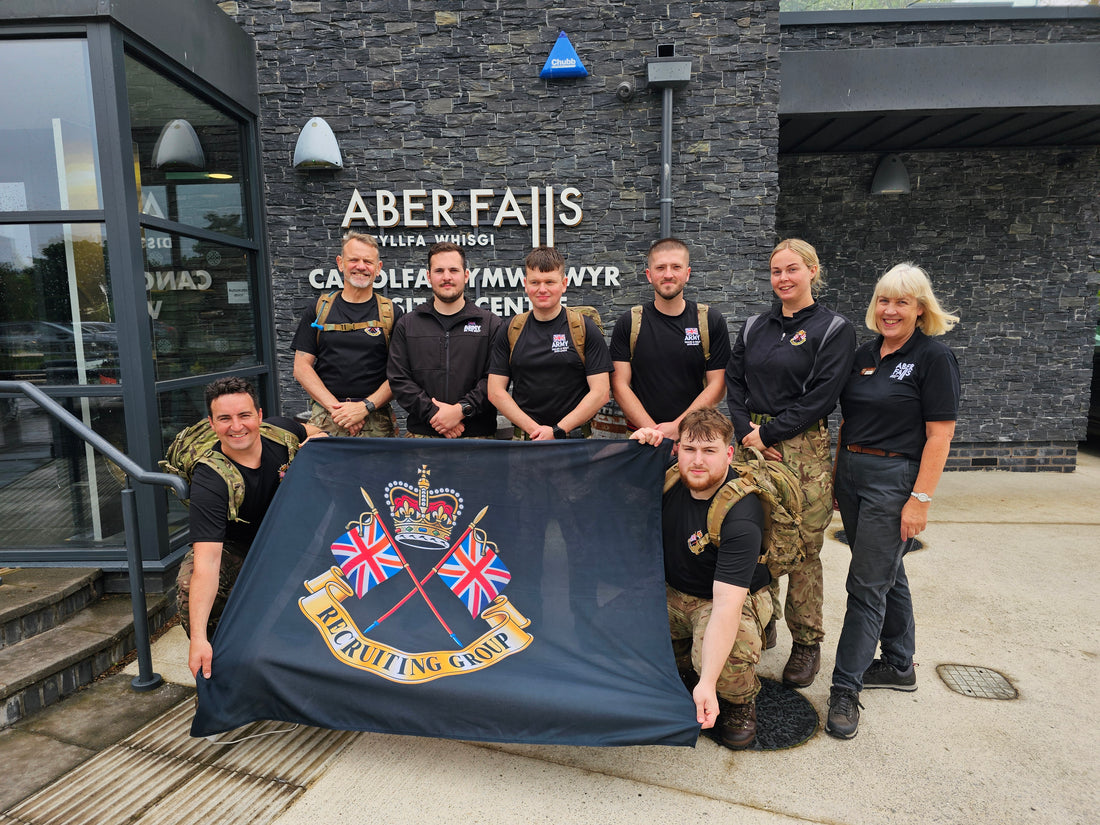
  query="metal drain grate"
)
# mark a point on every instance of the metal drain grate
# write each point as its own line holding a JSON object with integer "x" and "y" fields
{"x": 980, "y": 682}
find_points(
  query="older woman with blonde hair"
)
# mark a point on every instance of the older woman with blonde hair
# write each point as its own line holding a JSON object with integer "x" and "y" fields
{"x": 899, "y": 407}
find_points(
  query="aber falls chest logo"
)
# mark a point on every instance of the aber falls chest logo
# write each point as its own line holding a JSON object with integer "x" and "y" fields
{"x": 373, "y": 558}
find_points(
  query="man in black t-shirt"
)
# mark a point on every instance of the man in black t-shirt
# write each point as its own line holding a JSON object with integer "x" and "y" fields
{"x": 555, "y": 392}
{"x": 219, "y": 543}
{"x": 669, "y": 358}
{"x": 718, "y": 600}
{"x": 340, "y": 359}
{"x": 439, "y": 355}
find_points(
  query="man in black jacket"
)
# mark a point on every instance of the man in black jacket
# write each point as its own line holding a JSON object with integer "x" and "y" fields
{"x": 439, "y": 355}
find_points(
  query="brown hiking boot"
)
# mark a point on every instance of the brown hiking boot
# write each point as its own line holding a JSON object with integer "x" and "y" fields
{"x": 736, "y": 726}
{"x": 802, "y": 666}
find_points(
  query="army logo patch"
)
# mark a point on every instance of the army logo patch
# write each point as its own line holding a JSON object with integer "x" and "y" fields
{"x": 559, "y": 344}
{"x": 370, "y": 554}
{"x": 798, "y": 338}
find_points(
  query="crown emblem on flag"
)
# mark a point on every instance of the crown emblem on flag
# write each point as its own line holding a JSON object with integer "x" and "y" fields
{"x": 421, "y": 517}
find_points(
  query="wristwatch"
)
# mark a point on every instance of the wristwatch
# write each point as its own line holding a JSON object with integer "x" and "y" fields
{"x": 369, "y": 405}
{"x": 924, "y": 498}
{"x": 559, "y": 433}
{"x": 467, "y": 409}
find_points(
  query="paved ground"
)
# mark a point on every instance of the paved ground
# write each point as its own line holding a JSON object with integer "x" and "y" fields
{"x": 1007, "y": 582}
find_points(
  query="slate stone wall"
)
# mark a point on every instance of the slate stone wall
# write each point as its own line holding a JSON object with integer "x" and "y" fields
{"x": 1011, "y": 241}
{"x": 447, "y": 96}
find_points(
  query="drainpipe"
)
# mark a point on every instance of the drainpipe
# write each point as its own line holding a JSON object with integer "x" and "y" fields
{"x": 667, "y": 72}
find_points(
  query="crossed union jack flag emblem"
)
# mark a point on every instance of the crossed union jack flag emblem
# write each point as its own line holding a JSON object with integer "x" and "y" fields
{"x": 368, "y": 556}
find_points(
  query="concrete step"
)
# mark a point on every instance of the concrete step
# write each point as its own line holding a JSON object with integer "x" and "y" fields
{"x": 35, "y": 599}
{"x": 40, "y": 670}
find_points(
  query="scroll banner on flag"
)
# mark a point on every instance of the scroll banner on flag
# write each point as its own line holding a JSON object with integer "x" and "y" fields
{"x": 481, "y": 590}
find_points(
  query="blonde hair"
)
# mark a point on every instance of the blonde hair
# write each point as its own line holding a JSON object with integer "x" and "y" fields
{"x": 808, "y": 254}
{"x": 909, "y": 280}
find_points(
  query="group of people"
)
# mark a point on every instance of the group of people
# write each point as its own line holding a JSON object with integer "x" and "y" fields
{"x": 452, "y": 366}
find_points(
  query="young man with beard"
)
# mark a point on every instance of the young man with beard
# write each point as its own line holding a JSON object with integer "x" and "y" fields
{"x": 439, "y": 355}
{"x": 670, "y": 354}
{"x": 341, "y": 347}
{"x": 718, "y": 600}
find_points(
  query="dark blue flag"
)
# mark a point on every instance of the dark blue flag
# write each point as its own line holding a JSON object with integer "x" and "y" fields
{"x": 493, "y": 591}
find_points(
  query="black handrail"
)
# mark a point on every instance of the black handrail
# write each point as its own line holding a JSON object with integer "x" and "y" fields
{"x": 146, "y": 679}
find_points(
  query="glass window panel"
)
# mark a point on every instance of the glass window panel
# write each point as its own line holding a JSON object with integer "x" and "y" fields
{"x": 202, "y": 304}
{"x": 54, "y": 489}
{"x": 48, "y": 157}
{"x": 56, "y": 324}
{"x": 187, "y": 154}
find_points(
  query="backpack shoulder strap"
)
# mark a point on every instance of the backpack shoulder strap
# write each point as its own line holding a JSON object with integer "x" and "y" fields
{"x": 577, "y": 330}
{"x": 635, "y": 327}
{"x": 515, "y": 327}
{"x": 672, "y": 477}
{"x": 280, "y": 436}
{"x": 728, "y": 495}
{"x": 234, "y": 481}
{"x": 704, "y": 330}
{"x": 324, "y": 306}
{"x": 385, "y": 316}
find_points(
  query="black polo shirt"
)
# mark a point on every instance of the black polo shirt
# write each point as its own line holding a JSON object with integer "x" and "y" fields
{"x": 885, "y": 402}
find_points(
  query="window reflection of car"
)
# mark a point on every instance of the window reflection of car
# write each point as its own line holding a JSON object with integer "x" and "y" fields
{"x": 37, "y": 350}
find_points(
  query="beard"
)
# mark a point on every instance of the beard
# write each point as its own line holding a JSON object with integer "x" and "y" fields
{"x": 697, "y": 484}
{"x": 448, "y": 298}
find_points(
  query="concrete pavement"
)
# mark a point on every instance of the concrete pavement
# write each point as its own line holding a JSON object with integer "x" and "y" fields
{"x": 1006, "y": 582}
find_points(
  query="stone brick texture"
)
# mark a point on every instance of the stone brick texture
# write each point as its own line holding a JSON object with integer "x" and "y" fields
{"x": 1009, "y": 238}
{"x": 448, "y": 95}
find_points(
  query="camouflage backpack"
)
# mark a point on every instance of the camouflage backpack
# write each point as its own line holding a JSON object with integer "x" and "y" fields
{"x": 781, "y": 498}
{"x": 195, "y": 445}
{"x": 577, "y": 331}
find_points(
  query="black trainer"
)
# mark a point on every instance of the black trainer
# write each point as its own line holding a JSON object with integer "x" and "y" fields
{"x": 843, "y": 720}
{"x": 882, "y": 674}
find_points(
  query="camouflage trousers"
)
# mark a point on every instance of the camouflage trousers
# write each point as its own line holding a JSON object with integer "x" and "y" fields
{"x": 378, "y": 424}
{"x": 688, "y": 617}
{"x": 808, "y": 456}
{"x": 228, "y": 571}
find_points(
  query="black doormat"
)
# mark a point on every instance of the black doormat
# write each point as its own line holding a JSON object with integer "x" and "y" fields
{"x": 784, "y": 718}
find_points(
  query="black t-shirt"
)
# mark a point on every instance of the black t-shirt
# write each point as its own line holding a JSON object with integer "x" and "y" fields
{"x": 350, "y": 364}
{"x": 790, "y": 368}
{"x": 209, "y": 510}
{"x": 668, "y": 370}
{"x": 885, "y": 403}
{"x": 548, "y": 377}
{"x": 735, "y": 561}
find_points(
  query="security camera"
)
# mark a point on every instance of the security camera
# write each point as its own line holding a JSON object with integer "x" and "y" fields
{"x": 624, "y": 91}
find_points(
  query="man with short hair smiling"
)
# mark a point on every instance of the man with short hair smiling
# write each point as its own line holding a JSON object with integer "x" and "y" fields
{"x": 670, "y": 354}
{"x": 718, "y": 600}
{"x": 341, "y": 346}
{"x": 555, "y": 390}
{"x": 259, "y": 452}
{"x": 439, "y": 355}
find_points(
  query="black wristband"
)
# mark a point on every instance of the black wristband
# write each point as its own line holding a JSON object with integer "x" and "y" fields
{"x": 559, "y": 433}
{"x": 369, "y": 405}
